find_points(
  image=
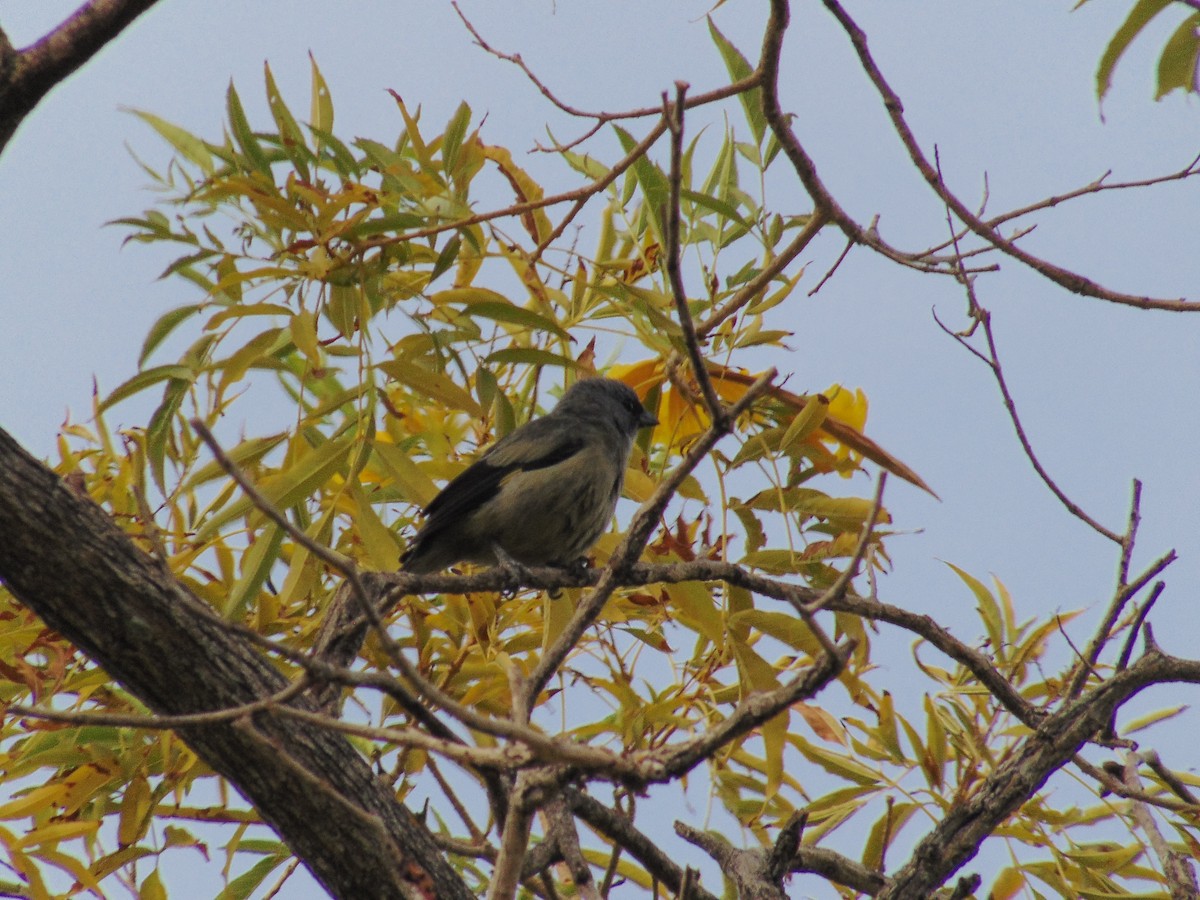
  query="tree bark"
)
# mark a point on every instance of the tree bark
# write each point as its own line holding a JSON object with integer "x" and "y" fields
{"x": 26, "y": 76}
{"x": 63, "y": 557}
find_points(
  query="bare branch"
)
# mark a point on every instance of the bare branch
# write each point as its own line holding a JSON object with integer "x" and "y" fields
{"x": 747, "y": 869}
{"x": 673, "y": 114}
{"x": 621, "y": 831}
{"x": 1104, "y": 631}
{"x": 1071, "y": 281}
{"x": 1177, "y": 871}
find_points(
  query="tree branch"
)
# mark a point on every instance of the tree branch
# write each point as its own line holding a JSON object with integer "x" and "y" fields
{"x": 63, "y": 557}
{"x": 27, "y": 75}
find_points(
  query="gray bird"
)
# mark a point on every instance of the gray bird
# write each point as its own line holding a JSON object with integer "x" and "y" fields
{"x": 543, "y": 494}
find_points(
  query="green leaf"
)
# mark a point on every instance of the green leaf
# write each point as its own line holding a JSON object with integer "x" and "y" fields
{"x": 721, "y": 207}
{"x": 245, "y": 884}
{"x": 190, "y": 146}
{"x": 290, "y": 486}
{"x": 488, "y": 304}
{"x": 784, "y": 627}
{"x": 446, "y": 258}
{"x": 159, "y": 430}
{"x": 431, "y": 384}
{"x": 805, "y": 422}
{"x": 321, "y": 113}
{"x": 989, "y": 609}
{"x": 1177, "y": 65}
{"x": 456, "y": 130}
{"x": 165, "y": 324}
{"x": 654, "y": 184}
{"x": 343, "y": 160}
{"x": 697, "y": 610}
{"x": 257, "y": 562}
{"x": 1139, "y": 17}
{"x": 245, "y": 454}
{"x": 290, "y": 134}
{"x": 147, "y": 378}
{"x": 531, "y": 357}
{"x": 738, "y": 69}
{"x": 383, "y": 549}
{"x": 242, "y": 133}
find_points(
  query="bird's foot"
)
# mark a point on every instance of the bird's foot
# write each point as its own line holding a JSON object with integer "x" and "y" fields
{"x": 517, "y": 572}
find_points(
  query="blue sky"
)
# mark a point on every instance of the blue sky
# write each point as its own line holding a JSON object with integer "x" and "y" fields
{"x": 1004, "y": 90}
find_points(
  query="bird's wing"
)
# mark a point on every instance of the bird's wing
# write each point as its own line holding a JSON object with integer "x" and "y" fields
{"x": 538, "y": 444}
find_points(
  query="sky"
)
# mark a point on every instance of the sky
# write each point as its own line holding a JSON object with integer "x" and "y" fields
{"x": 1005, "y": 91}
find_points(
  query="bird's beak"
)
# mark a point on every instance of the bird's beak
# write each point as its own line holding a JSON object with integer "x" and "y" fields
{"x": 646, "y": 419}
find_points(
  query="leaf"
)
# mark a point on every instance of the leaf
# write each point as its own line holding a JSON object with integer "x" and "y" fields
{"x": 782, "y": 626}
{"x": 242, "y": 133}
{"x": 242, "y": 887}
{"x": 321, "y": 112}
{"x": 144, "y": 379}
{"x": 728, "y": 210}
{"x": 411, "y": 481}
{"x": 1177, "y": 64}
{"x": 452, "y": 137}
{"x": 696, "y": 608}
{"x": 289, "y": 486}
{"x": 1139, "y": 17}
{"x": 1008, "y": 884}
{"x": 650, "y": 178}
{"x": 989, "y": 609}
{"x": 189, "y": 146}
{"x": 431, "y": 384}
{"x": 383, "y": 549}
{"x": 257, "y": 563}
{"x": 805, "y": 422}
{"x": 489, "y": 304}
{"x": 162, "y": 328}
{"x": 536, "y": 222}
{"x": 738, "y": 68}
{"x": 244, "y": 454}
{"x": 531, "y": 357}
{"x": 1160, "y": 715}
{"x": 290, "y": 134}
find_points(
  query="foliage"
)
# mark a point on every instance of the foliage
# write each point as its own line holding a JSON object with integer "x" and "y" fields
{"x": 1179, "y": 59}
{"x": 353, "y": 286}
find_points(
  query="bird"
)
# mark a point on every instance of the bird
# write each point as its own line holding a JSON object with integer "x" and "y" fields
{"x": 543, "y": 494}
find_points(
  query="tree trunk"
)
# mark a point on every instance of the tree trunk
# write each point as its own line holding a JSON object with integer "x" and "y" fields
{"x": 62, "y": 556}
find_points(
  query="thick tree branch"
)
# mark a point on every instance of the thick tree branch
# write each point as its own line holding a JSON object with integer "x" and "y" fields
{"x": 63, "y": 557}
{"x": 27, "y": 75}
{"x": 957, "y": 838}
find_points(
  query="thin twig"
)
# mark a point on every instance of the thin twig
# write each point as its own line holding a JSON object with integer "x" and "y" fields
{"x": 1104, "y": 631}
{"x": 673, "y": 115}
{"x": 1071, "y": 281}
{"x": 161, "y": 723}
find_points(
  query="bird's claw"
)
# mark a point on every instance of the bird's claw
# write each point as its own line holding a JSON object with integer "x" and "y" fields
{"x": 517, "y": 572}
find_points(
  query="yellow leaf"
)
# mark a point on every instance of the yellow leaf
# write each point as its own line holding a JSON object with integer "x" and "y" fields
{"x": 697, "y": 610}
{"x": 1007, "y": 884}
{"x": 56, "y": 831}
{"x": 135, "y": 805}
{"x": 805, "y": 422}
{"x": 431, "y": 384}
{"x": 152, "y": 888}
{"x": 536, "y": 222}
{"x": 383, "y": 550}
{"x": 304, "y": 336}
